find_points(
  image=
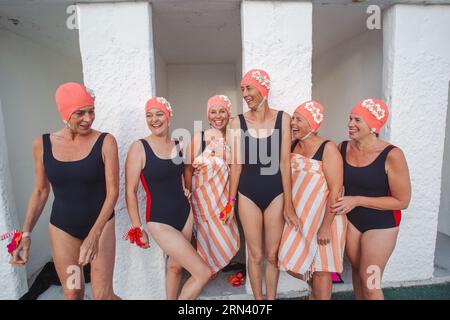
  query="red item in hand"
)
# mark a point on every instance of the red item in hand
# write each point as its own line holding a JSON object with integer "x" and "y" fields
{"x": 224, "y": 214}
{"x": 14, "y": 242}
{"x": 134, "y": 235}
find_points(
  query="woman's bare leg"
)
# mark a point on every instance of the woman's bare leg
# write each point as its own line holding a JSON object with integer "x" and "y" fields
{"x": 252, "y": 223}
{"x": 174, "y": 269}
{"x": 322, "y": 286}
{"x": 102, "y": 267}
{"x": 273, "y": 230}
{"x": 376, "y": 249}
{"x": 176, "y": 246}
{"x": 65, "y": 252}
{"x": 353, "y": 250}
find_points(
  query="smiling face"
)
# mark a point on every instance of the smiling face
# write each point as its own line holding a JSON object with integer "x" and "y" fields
{"x": 218, "y": 117}
{"x": 81, "y": 120}
{"x": 252, "y": 96}
{"x": 299, "y": 125}
{"x": 157, "y": 121}
{"x": 357, "y": 127}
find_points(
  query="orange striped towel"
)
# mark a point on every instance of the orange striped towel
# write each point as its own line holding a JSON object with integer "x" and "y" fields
{"x": 217, "y": 243}
{"x": 299, "y": 251}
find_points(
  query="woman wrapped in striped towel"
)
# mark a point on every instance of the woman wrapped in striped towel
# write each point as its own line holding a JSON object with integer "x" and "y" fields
{"x": 207, "y": 176}
{"x": 314, "y": 250}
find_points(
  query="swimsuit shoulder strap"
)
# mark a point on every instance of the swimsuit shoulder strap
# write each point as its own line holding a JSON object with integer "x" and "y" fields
{"x": 243, "y": 123}
{"x": 319, "y": 153}
{"x": 294, "y": 144}
{"x": 47, "y": 146}
{"x": 148, "y": 150}
{"x": 344, "y": 150}
{"x": 383, "y": 155}
{"x": 203, "y": 141}
{"x": 99, "y": 143}
{"x": 278, "y": 122}
{"x": 279, "y": 125}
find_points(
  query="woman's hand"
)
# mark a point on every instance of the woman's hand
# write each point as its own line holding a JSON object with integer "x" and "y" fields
{"x": 230, "y": 216}
{"x": 144, "y": 240}
{"x": 344, "y": 205}
{"x": 290, "y": 216}
{"x": 187, "y": 193}
{"x": 18, "y": 259}
{"x": 324, "y": 235}
{"x": 89, "y": 248}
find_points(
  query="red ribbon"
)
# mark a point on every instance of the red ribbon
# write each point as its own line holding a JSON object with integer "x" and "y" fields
{"x": 16, "y": 237}
{"x": 225, "y": 212}
{"x": 134, "y": 235}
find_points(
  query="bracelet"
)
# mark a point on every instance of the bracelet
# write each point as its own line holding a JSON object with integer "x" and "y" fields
{"x": 26, "y": 234}
{"x": 231, "y": 199}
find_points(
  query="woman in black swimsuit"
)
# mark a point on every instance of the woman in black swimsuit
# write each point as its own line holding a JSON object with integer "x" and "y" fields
{"x": 260, "y": 175}
{"x": 377, "y": 186}
{"x": 157, "y": 162}
{"x": 81, "y": 165}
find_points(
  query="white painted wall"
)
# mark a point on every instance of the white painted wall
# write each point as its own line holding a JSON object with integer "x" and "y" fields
{"x": 345, "y": 75}
{"x": 415, "y": 84}
{"x": 116, "y": 43}
{"x": 160, "y": 75}
{"x": 444, "y": 208}
{"x": 277, "y": 37}
{"x": 191, "y": 85}
{"x": 30, "y": 74}
{"x": 13, "y": 280}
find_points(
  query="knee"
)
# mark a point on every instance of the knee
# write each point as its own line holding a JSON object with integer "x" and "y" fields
{"x": 204, "y": 275}
{"x": 175, "y": 269}
{"x": 370, "y": 283}
{"x": 322, "y": 277}
{"x": 355, "y": 271}
{"x": 73, "y": 294}
{"x": 272, "y": 258}
{"x": 256, "y": 258}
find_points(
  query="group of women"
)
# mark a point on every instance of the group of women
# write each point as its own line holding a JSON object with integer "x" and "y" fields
{"x": 302, "y": 200}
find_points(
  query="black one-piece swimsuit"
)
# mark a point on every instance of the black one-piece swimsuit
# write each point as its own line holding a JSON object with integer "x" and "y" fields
{"x": 369, "y": 181}
{"x": 79, "y": 188}
{"x": 162, "y": 181}
{"x": 254, "y": 183}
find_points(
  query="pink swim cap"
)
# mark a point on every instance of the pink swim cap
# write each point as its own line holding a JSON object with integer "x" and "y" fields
{"x": 259, "y": 79}
{"x": 72, "y": 96}
{"x": 313, "y": 112}
{"x": 374, "y": 112}
{"x": 220, "y": 100}
{"x": 161, "y": 104}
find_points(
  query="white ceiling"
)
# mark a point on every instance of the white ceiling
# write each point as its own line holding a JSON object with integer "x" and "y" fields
{"x": 196, "y": 31}
{"x": 40, "y": 22}
{"x": 186, "y": 31}
{"x": 334, "y": 24}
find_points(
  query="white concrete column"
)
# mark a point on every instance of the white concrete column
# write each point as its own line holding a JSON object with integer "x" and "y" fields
{"x": 13, "y": 279}
{"x": 116, "y": 43}
{"x": 416, "y": 76}
{"x": 277, "y": 37}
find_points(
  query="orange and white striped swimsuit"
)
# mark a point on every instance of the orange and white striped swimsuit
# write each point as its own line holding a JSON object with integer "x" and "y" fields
{"x": 299, "y": 251}
{"x": 217, "y": 243}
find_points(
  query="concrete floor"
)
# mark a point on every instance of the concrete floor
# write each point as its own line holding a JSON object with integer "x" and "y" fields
{"x": 442, "y": 256}
{"x": 219, "y": 288}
